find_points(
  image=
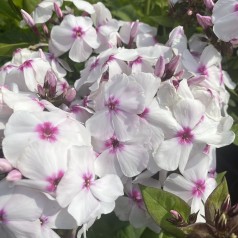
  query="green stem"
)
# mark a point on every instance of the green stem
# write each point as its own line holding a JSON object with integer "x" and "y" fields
{"x": 148, "y": 7}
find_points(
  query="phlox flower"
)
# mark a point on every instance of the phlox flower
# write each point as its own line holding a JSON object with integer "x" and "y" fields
{"x": 21, "y": 219}
{"x": 116, "y": 108}
{"x": 77, "y": 35}
{"x": 224, "y": 15}
{"x": 86, "y": 196}
{"x": 131, "y": 208}
{"x": 25, "y": 127}
{"x": 185, "y": 128}
{"x": 194, "y": 185}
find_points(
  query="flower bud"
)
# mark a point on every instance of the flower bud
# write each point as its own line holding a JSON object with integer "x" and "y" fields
{"x": 134, "y": 29}
{"x": 233, "y": 211}
{"x": 176, "y": 214}
{"x": 226, "y": 205}
{"x": 14, "y": 175}
{"x": 222, "y": 222}
{"x": 27, "y": 18}
{"x": 5, "y": 166}
{"x": 204, "y": 21}
{"x": 41, "y": 91}
{"x": 160, "y": 67}
{"x": 209, "y": 4}
{"x": 58, "y": 10}
{"x": 171, "y": 66}
{"x": 192, "y": 218}
{"x": 51, "y": 80}
{"x": 45, "y": 29}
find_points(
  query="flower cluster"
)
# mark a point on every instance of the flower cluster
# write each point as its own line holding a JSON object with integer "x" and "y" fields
{"x": 139, "y": 110}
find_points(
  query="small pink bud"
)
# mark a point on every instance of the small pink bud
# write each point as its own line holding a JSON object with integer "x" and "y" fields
{"x": 171, "y": 66}
{"x": 70, "y": 95}
{"x": 51, "y": 78}
{"x": 41, "y": 90}
{"x": 5, "y": 166}
{"x": 58, "y": 10}
{"x": 45, "y": 29}
{"x": 180, "y": 74}
{"x": 204, "y": 21}
{"x": 175, "y": 214}
{"x": 14, "y": 175}
{"x": 27, "y": 18}
{"x": 209, "y": 4}
{"x": 134, "y": 29}
{"x": 160, "y": 67}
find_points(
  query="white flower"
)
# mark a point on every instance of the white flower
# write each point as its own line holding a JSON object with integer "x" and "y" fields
{"x": 77, "y": 35}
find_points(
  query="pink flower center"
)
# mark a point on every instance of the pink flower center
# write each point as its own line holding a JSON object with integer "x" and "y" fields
{"x": 2, "y": 216}
{"x": 112, "y": 103}
{"x": 114, "y": 144}
{"x": 185, "y": 136}
{"x": 88, "y": 180}
{"x": 136, "y": 61}
{"x": 78, "y": 32}
{"x": 47, "y": 131}
{"x": 135, "y": 195}
{"x": 144, "y": 113}
{"x": 43, "y": 220}
{"x": 199, "y": 188}
{"x": 54, "y": 181}
{"x": 26, "y": 64}
{"x": 236, "y": 8}
{"x": 202, "y": 70}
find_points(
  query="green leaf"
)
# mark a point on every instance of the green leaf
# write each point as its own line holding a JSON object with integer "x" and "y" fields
{"x": 165, "y": 235}
{"x": 159, "y": 203}
{"x": 214, "y": 201}
{"x": 220, "y": 177}
{"x": 149, "y": 233}
{"x": 30, "y": 6}
{"x": 235, "y": 130}
{"x": 7, "y": 49}
{"x": 129, "y": 232}
{"x": 106, "y": 227}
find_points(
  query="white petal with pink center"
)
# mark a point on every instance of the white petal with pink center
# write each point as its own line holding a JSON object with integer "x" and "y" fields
{"x": 48, "y": 127}
{"x": 194, "y": 186}
{"x": 77, "y": 35}
{"x": 81, "y": 191}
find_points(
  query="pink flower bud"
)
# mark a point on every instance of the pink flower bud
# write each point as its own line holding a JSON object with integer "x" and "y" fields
{"x": 134, "y": 29}
{"x": 27, "y": 18}
{"x": 204, "y": 21}
{"x": 41, "y": 90}
{"x": 5, "y": 166}
{"x": 209, "y": 4}
{"x": 175, "y": 214}
{"x": 45, "y": 29}
{"x": 160, "y": 67}
{"x": 14, "y": 175}
{"x": 51, "y": 78}
{"x": 70, "y": 95}
{"x": 58, "y": 10}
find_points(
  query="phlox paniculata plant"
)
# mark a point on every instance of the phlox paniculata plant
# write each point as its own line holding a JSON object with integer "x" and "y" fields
{"x": 141, "y": 113}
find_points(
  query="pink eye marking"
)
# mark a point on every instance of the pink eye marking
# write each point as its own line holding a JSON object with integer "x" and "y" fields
{"x": 3, "y": 216}
{"x": 112, "y": 103}
{"x": 78, "y": 32}
{"x": 94, "y": 65}
{"x": 135, "y": 195}
{"x": 43, "y": 220}
{"x": 202, "y": 70}
{"x": 236, "y": 8}
{"x": 26, "y": 64}
{"x": 144, "y": 113}
{"x": 47, "y": 131}
{"x": 54, "y": 180}
{"x": 185, "y": 136}
{"x": 114, "y": 144}
{"x": 136, "y": 61}
{"x": 199, "y": 188}
{"x": 88, "y": 180}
